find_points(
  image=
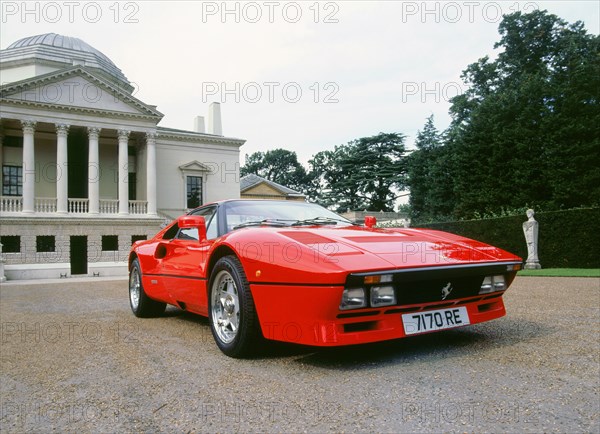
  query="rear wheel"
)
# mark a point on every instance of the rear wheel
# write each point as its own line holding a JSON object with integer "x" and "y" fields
{"x": 141, "y": 305}
{"x": 232, "y": 315}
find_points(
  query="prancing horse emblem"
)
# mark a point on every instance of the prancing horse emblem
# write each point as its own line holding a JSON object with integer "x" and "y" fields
{"x": 446, "y": 290}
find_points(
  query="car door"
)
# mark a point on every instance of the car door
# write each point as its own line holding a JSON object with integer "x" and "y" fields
{"x": 185, "y": 261}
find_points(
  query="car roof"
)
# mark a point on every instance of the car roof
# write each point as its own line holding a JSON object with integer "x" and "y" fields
{"x": 220, "y": 202}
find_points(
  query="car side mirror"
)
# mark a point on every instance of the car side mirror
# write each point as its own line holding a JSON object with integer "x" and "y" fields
{"x": 193, "y": 221}
{"x": 370, "y": 221}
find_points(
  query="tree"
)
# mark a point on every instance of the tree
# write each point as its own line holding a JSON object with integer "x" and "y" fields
{"x": 328, "y": 170}
{"x": 367, "y": 173}
{"x": 430, "y": 175}
{"x": 421, "y": 178}
{"x": 526, "y": 132}
{"x": 277, "y": 165}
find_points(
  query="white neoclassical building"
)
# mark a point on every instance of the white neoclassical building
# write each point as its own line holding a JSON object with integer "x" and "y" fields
{"x": 86, "y": 170}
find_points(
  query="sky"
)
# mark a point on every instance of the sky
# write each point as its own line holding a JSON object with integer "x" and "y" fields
{"x": 304, "y": 76}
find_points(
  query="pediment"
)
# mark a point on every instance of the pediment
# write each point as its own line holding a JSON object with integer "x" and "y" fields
{"x": 263, "y": 188}
{"x": 77, "y": 89}
{"x": 194, "y": 166}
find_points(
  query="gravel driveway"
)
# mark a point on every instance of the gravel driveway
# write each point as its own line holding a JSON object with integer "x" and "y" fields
{"x": 74, "y": 358}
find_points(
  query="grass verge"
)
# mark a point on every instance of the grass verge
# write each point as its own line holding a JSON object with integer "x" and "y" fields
{"x": 562, "y": 272}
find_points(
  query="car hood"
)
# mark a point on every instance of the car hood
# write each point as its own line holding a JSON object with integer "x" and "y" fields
{"x": 363, "y": 248}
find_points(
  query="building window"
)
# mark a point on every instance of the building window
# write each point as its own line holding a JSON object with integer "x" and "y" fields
{"x": 45, "y": 243}
{"x": 110, "y": 243}
{"x": 12, "y": 141}
{"x": 11, "y": 243}
{"x": 132, "y": 180}
{"x": 12, "y": 180}
{"x": 194, "y": 191}
{"x": 135, "y": 238}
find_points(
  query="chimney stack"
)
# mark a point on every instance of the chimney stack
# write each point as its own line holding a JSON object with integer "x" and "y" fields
{"x": 214, "y": 119}
{"x": 199, "y": 124}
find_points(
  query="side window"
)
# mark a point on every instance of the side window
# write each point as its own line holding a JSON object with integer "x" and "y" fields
{"x": 171, "y": 232}
{"x": 188, "y": 234}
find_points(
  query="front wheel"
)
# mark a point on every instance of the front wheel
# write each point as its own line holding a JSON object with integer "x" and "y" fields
{"x": 232, "y": 315}
{"x": 141, "y": 305}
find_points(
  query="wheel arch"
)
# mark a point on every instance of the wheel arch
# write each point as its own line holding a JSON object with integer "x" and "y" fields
{"x": 132, "y": 256}
{"x": 222, "y": 250}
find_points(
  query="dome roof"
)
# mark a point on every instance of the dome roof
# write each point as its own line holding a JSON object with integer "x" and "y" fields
{"x": 65, "y": 49}
{"x": 60, "y": 41}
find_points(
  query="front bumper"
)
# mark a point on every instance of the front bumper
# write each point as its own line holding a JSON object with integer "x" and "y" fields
{"x": 310, "y": 315}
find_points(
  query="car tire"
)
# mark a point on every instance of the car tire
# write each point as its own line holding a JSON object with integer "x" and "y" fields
{"x": 231, "y": 311}
{"x": 141, "y": 305}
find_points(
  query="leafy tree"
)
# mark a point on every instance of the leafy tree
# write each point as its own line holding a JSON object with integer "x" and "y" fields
{"x": 527, "y": 130}
{"x": 367, "y": 173}
{"x": 421, "y": 177}
{"x": 277, "y": 165}
{"x": 328, "y": 170}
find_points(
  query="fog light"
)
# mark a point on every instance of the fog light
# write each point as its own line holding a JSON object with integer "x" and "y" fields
{"x": 382, "y": 296}
{"x": 492, "y": 284}
{"x": 353, "y": 298}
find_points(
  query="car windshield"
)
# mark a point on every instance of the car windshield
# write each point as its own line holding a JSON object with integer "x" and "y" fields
{"x": 255, "y": 213}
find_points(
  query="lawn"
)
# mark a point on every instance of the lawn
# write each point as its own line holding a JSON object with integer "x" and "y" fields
{"x": 562, "y": 272}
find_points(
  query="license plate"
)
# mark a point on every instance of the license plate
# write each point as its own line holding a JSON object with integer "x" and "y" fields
{"x": 423, "y": 322}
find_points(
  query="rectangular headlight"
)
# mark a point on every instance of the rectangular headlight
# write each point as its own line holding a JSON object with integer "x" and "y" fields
{"x": 487, "y": 285}
{"x": 499, "y": 283}
{"x": 493, "y": 284}
{"x": 353, "y": 298}
{"x": 382, "y": 296}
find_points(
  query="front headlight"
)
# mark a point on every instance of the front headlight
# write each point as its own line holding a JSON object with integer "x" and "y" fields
{"x": 382, "y": 296}
{"x": 493, "y": 284}
{"x": 353, "y": 298}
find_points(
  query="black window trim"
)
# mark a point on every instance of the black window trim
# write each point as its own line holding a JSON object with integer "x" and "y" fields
{"x": 40, "y": 241}
{"x": 19, "y": 186}
{"x": 102, "y": 243}
{"x": 201, "y": 198}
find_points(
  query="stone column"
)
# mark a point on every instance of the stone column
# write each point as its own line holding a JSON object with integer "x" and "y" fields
{"x": 151, "y": 173}
{"x": 1, "y": 150}
{"x": 93, "y": 171}
{"x": 28, "y": 167}
{"x": 62, "y": 172}
{"x": 2, "y": 276}
{"x": 123, "y": 172}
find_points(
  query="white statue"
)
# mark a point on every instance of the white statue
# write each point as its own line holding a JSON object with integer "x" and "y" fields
{"x": 531, "y": 229}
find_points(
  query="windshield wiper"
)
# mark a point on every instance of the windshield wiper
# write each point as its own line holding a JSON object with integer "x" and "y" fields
{"x": 319, "y": 221}
{"x": 268, "y": 222}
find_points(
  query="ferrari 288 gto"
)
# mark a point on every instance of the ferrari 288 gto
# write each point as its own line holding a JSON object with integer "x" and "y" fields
{"x": 296, "y": 272}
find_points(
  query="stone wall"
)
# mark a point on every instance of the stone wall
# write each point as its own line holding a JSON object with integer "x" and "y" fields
{"x": 63, "y": 228}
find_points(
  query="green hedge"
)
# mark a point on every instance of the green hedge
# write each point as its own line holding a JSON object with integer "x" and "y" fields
{"x": 567, "y": 239}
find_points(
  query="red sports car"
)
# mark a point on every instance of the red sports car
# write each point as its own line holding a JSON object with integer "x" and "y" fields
{"x": 297, "y": 272}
